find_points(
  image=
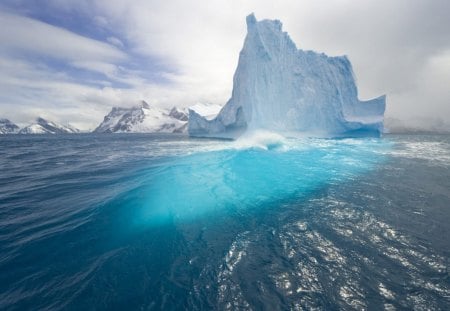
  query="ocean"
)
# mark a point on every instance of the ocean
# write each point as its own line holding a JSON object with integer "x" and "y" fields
{"x": 167, "y": 222}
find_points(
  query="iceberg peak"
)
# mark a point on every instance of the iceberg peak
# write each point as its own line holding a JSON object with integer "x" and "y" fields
{"x": 280, "y": 88}
{"x": 251, "y": 20}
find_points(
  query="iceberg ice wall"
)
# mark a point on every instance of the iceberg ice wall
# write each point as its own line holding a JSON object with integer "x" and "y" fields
{"x": 278, "y": 87}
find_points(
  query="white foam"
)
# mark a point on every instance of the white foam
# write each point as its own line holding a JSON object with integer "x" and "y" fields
{"x": 261, "y": 139}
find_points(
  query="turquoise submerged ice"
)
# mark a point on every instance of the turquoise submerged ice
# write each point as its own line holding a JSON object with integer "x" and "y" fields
{"x": 256, "y": 171}
{"x": 280, "y": 88}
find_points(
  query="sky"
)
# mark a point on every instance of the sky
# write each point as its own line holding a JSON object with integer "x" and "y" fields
{"x": 71, "y": 61}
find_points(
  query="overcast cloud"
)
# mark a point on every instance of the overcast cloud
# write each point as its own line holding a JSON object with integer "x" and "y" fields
{"x": 71, "y": 61}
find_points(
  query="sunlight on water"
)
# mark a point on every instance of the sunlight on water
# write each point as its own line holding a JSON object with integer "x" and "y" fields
{"x": 256, "y": 171}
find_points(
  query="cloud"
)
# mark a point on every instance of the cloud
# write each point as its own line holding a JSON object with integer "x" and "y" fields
{"x": 19, "y": 33}
{"x": 28, "y": 90}
{"x": 101, "y": 21}
{"x": 52, "y": 72}
{"x": 115, "y": 41}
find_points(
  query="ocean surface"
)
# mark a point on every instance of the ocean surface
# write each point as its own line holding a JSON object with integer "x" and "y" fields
{"x": 151, "y": 222}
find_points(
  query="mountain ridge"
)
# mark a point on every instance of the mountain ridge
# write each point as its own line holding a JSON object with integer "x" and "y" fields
{"x": 43, "y": 126}
{"x": 143, "y": 118}
{"x": 8, "y": 127}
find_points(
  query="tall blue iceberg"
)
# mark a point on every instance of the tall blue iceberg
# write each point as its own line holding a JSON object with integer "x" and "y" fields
{"x": 277, "y": 87}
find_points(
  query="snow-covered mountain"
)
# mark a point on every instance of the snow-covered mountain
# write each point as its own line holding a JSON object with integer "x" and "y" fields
{"x": 8, "y": 127}
{"x": 43, "y": 126}
{"x": 278, "y": 87}
{"x": 144, "y": 119}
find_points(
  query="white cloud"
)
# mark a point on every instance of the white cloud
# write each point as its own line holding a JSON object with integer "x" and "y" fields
{"x": 19, "y": 33}
{"x": 28, "y": 90}
{"x": 32, "y": 88}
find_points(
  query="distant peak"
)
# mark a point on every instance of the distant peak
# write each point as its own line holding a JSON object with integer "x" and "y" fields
{"x": 41, "y": 120}
{"x": 145, "y": 105}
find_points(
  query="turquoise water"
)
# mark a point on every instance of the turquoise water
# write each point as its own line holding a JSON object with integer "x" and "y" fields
{"x": 167, "y": 222}
{"x": 235, "y": 176}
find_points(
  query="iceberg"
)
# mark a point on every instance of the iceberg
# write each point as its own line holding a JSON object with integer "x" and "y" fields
{"x": 279, "y": 88}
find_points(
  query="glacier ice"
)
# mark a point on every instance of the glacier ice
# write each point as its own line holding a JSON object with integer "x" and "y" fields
{"x": 280, "y": 88}
{"x": 218, "y": 177}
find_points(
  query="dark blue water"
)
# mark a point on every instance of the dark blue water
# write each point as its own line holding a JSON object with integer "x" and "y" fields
{"x": 154, "y": 222}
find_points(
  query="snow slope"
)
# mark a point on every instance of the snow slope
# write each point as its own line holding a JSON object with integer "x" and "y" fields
{"x": 278, "y": 87}
{"x": 43, "y": 126}
{"x": 8, "y": 127}
{"x": 144, "y": 119}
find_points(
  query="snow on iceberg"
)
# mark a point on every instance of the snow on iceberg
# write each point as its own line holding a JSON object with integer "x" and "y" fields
{"x": 277, "y": 87}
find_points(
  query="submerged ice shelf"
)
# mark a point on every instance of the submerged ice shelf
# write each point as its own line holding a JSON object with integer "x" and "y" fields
{"x": 253, "y": 172}
{"x": 280, "y": 88}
